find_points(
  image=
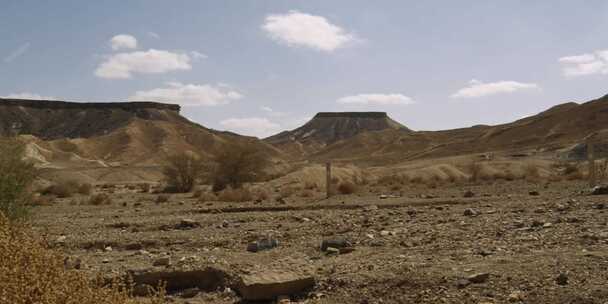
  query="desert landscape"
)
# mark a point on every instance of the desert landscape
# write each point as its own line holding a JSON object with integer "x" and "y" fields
{"x": 497, "y": 221}
{"x": 303, "y": 152}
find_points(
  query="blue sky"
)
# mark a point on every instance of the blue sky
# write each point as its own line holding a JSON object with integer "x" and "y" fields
{"x": 259, "y": 67}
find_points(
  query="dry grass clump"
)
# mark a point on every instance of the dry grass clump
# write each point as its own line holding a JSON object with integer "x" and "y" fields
{"x": 100, "y": 199}
{"x": 207, "y": 196}
{"x": 346, "y": 187}
{"x": 235, "y": 195}
{"x": 30, "y": 272}
{"x": 162, "y": 199}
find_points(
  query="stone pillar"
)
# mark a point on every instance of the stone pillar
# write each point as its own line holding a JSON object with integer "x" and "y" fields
{"x": 591, "y": 159}
{"x": 328, "y": 179}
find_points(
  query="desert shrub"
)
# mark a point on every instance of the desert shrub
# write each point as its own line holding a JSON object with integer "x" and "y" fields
{"x": 30, "y": 272}
{"x": 85, "y": 189}
{"x": 207, "y": 196}
{"x": 16, "y": 177}
{"x": 237, "y": 164}
{"x": 144, "y": 188}
{"x": 261, "y": 194}
{"x": 474, "y": 169}
{"x": 162, "y": 199}
{"x": 287, "y": 191}
{"x": 181, "y": 172}
{"x": 62, "y": 189}
{"x": 307, "y": 193}
{"x": 235, "y": 195}
{"x": 346, "y": 188}
{"x": 531, "y": 172}
{"x": 310, "y": 186}
{"x": 100, "y": 199}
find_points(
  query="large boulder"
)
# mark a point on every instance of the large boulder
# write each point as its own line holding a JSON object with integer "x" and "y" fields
{"x": 272, "y": 284}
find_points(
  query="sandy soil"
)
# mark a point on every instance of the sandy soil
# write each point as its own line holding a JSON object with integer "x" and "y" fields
{"x": 428, "y": 246}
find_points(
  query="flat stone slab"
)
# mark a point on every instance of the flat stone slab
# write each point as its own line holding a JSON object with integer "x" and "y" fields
{"x": 269, "y": 285}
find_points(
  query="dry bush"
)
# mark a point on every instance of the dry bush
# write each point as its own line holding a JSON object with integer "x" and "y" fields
{"x": 144, "y": 188}
{"x": 531, "y": 172}
{"x": 62, "y": 189}
{"x": 162, "y": 199}
{"x": 85, "y": 189}
{"x": 311, "y": 186}
{"x": 238, "y": 164}
{"x": 261, "y": 194}
{"x": 181, "y": 172}
{"x": 306, "y": 193}
{"x": 100, "y": 199}
{"x": 207, "y": 196}
{"x": 235, "y": 195}
{"x": 30, "y": 272}
{"x": 475, "y": 170}
{"x": 287, "y": 191}
{"x": 16, "y": 177}
{"x": 572, "y": 171}
{"x": 346, "y": 188}
{"x": 197, "y": 193}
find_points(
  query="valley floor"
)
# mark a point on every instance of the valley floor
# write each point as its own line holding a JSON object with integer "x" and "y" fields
{"x": 504, "y": 244}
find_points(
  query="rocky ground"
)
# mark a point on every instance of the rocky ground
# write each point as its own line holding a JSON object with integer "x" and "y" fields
{"x": 505, "y": 242}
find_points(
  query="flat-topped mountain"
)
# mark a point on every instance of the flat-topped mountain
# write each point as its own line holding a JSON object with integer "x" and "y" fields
{"x": 50, "y": 119}
{"x": 65, "y": 134}
{"x": 327, "y": 128}
{"x": 372, "y": 137}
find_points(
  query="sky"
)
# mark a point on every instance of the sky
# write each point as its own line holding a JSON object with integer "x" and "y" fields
{"x": 261, "y": 67}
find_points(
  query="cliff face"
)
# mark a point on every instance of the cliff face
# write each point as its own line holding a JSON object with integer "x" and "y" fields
{"x": 49, "y": 119}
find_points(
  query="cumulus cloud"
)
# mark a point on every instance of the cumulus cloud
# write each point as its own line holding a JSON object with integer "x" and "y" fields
{"x": 17, "y": 52}
{"x": 154, "y": 35}
{"x": 477, "y": 88}
{"x": 376, "y": 99}
{"x": 189, "y": 94}
{"x": 585, "y": 64}
{"x": 123, "y": 65}
{"x": 254, "y": 126}
{"x": 123, "y": 41}
{"x": 300, "y": 29}
{"x": 28, "y": 95}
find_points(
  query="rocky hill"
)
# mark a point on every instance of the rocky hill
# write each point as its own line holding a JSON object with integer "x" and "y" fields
{"x": 327, "y": 128}
{"x": 380, "y": 141}
{"x": 71, "y": 134}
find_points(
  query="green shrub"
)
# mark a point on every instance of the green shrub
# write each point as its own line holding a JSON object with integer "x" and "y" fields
{"x": 16, "y": 177}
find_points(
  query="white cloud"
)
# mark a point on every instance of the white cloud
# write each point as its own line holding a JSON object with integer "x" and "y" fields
{"x": 27, "y": 95}
{"x": 123, "y": 41}
{"x": 254, "y": 126}
{"x": 17, "y": 52}
{"x": 197, "y": 55}
{"x": 273, "y": 112}
{"x": 154, "y": 35}
{"x": 479, "y": 89}
{"x": 123, "y": 65}
{"x": 300, "y": 29}
{"x": 189, "y": 94}
{"x": 376, "y": 99}
{"x": 585, "y": 64}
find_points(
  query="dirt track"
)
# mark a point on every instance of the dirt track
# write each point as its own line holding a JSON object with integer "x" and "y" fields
{"x": 414, "y": 249}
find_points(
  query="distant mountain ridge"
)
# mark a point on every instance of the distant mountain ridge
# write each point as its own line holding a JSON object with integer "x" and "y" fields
{"x": 125, "y": 133}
